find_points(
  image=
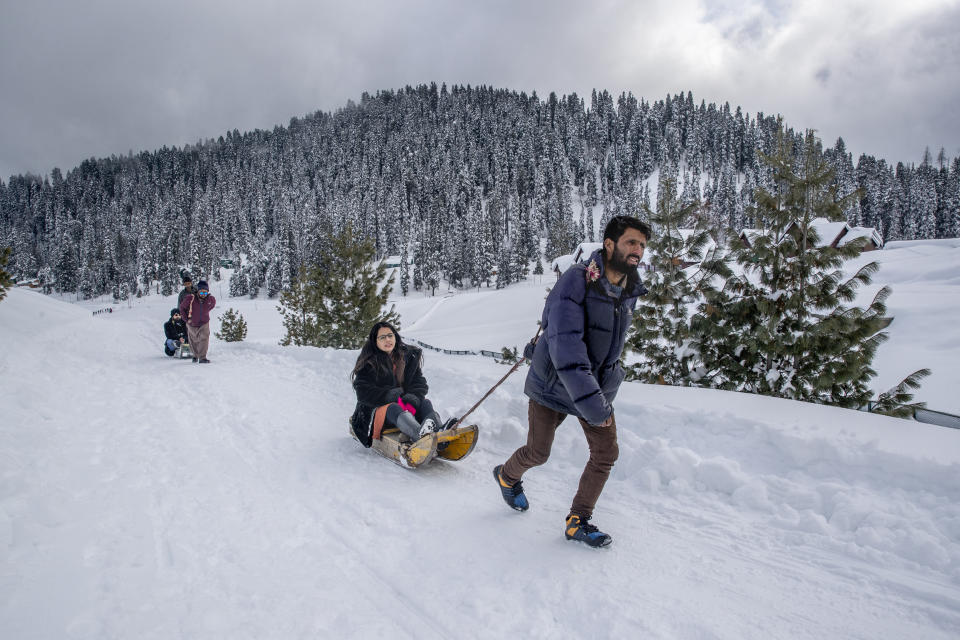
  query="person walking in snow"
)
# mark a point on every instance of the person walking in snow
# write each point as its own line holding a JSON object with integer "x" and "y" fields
{"x": 391, "y": 389}
{"x": 176, "y": 331}
{"x": 575, "y": 370}
{"x": 196, "y": 308}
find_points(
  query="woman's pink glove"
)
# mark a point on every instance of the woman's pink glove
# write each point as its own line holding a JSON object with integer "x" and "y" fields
{"x": 406, "y": 407}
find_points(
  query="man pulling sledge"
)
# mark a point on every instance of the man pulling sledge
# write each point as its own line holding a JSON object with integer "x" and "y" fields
{"x": 575, "y": 370}
{"x": 195, "y": 307}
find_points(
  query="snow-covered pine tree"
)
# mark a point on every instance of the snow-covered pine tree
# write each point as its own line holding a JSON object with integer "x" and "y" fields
{"x": 334, "y": 302}
{"x": 686, "y": 266}
{"x": 418, "y": 260}
{"x": 239, "y": 283}
{"x": 504, "y": 264}
{"x": 400, "y": 157}
{"x": 785, "y": 329}
{"x": 404, "y": 270}
{"x": 484, "y": 258}
{"x": 846, "y": 180}
{"x": 953, "y": 200}
{"x": 5, "y": 280}
{"x": 923, "y": 201}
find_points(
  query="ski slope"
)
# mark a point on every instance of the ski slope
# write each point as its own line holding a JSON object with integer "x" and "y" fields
{"x": 142, "y": 497}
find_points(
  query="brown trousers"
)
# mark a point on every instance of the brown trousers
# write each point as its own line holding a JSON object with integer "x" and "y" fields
{"x": 199, "y": 339}
{"x": 543, "y": 423}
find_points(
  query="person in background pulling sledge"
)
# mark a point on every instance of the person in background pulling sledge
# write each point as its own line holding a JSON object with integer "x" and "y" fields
{"x": 176, "y": 331}
{"x": 196, "y": 308}
{"x": 391, "y": 390}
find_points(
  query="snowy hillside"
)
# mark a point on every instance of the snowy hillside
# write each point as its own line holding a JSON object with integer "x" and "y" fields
{"x": 142, "y": 497}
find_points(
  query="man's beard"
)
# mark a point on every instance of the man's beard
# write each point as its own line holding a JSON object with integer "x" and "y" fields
{"x": 619, "y": 262}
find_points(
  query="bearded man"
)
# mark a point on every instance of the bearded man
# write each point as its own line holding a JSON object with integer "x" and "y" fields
{"x": 575, "y": 370}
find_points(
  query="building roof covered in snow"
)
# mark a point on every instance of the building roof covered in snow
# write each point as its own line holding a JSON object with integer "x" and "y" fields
{"x": 583, "y": 250}
{"x": 831, "y": 234}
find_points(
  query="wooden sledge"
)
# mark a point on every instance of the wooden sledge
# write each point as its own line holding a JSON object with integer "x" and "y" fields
{"x": 450, "y": 444}
{"x": 183, "y": 351}
{"x": 457, "y": 444}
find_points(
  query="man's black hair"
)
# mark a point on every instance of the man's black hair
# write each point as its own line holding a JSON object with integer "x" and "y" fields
{"x": 619, "y": 224}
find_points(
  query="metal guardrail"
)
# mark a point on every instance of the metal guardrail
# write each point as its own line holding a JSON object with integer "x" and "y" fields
{"x": 940, "y": 418}
{"x": 459, "y": 352}
{"x": 927, "y": 416}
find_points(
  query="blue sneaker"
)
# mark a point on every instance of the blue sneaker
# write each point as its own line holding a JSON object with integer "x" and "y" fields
{"x": 582, "y": 531}
{"x": 512, "y": 494}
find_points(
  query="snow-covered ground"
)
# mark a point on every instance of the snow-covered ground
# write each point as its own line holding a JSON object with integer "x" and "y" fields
{"x": 142, "y": 497}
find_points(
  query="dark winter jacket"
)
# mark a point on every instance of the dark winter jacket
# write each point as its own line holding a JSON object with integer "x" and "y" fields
{"x": 175, "y": 329}
{"x": 575, "y": 366}
{"x": 377, "y": 386}
{"x": 196, "y": 310}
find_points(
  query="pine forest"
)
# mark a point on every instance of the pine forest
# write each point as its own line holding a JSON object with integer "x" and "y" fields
{"x": 462, "y": 184}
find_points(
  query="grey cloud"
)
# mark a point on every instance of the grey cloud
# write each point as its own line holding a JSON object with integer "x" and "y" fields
{"x": 103, "y": 77}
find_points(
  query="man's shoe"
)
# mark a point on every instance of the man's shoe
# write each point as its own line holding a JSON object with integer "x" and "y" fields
{"x": 512, "y": 494}
{"x": 194, "y": 359}
{"x": 204, "y": 361}
{"x": 582, "y": 531}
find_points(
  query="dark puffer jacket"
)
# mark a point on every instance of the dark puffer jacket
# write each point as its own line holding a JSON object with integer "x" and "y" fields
{"x": 377, "y": 386}
{"x": 575, "y": 366}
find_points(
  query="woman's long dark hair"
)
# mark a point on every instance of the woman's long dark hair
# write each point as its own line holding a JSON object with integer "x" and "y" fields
{"x": 371, "y": 354}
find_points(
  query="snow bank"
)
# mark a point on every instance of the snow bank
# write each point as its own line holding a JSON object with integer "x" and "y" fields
{"x": 151, "y": 498}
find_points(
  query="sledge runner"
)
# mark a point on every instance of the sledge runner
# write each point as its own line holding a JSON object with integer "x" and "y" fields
{"x": 176, "y": 331}
{"x": 393, "y": 414}
{"x": 575, "y": 370}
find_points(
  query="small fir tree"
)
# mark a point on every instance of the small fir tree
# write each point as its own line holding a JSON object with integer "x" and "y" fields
{"x": 783, "y": 327}
{"x": 686, "y": 267}
{"x": 508, "y": 355}
{"x": 233, "y": 328}
{"x": 896, "y": 401}
{"x": 335, "y": 302}
{"x": 404, "y": 271}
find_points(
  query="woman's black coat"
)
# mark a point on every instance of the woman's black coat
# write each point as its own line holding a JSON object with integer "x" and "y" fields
{"x": 377, "y": 386}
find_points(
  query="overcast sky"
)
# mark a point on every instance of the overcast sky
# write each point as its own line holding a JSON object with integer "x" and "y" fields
{"x": 91, "y": 78}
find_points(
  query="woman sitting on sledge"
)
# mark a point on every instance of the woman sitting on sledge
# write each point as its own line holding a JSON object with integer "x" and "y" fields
{"x": 391, "y": 389}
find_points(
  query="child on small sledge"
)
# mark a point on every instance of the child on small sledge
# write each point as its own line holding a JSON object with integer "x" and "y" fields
{"x": 391, "y": 389}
